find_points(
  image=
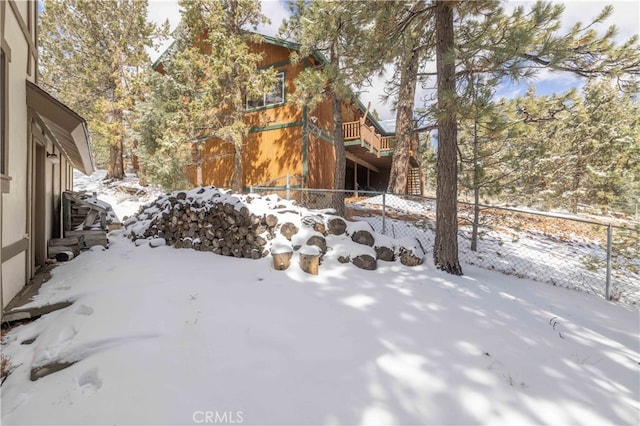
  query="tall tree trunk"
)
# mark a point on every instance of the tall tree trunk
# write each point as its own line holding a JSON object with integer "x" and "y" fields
{"x": 576, "y": 182}
{"x": 404, "y": 119}
{"x": 115, "y": 169}
{"x": 135, "y": 160}
{"x": 236, "y": 185}
{"x": 476, "y": 188}
{"x": 445, "y": 250}
{"x": 198, "y": 149}
{"x": 341, "y": 157}
{"x": 337, "y": 199}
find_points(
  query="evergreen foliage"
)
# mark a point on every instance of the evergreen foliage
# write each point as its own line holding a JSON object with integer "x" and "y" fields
{"x": 211, "y": 70}
{"x": 339, "y": 31}
{"x": 91, "y": 54}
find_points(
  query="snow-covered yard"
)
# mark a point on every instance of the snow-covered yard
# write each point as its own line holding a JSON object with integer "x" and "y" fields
{"x": 170, "y": 336}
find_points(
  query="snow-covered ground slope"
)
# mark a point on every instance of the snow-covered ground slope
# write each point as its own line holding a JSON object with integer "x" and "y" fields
{"x": 558, "y": 251}
{"x": 175, "y": 336}
{"x": 124, "y": 196}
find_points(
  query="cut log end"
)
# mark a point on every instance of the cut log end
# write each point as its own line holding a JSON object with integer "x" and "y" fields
{"x": 281, "y": 261}
{"x": 310, "y": 263}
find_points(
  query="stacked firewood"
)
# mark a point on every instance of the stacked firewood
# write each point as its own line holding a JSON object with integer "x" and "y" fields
{"x": 208, "y": 219}
{"x": 219, "y": 226}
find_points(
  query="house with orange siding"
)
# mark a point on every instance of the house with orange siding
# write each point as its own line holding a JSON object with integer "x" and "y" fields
{"x": 286, "y": 139}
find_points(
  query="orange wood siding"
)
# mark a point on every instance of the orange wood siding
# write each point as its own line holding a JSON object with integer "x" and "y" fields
{"x": 271, "y": 54}
{"x": 322, "y": 159}
{"x": 266, "y": 155}
{"x": 217, "y": 159}
{"x": 271, "y": 154}
{"x": 277, "y": 151}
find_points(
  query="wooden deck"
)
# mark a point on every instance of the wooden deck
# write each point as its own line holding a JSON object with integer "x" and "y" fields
{"x": 368, "y": 137}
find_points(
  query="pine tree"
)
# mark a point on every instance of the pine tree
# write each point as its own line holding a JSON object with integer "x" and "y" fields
{"x": 162, "y": 126}
{"x": 91, "y": 53}
{"x": 513, "y": 46}
{"x": 340, "y": 32}
{"x": 411, "y": 29}
{"x": 445, "y": 251}
{"x": 585, "y": 147}
{"x": 216, "y": 71}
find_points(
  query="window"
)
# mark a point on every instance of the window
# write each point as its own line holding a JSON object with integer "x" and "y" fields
{"x": 274, "y": 97}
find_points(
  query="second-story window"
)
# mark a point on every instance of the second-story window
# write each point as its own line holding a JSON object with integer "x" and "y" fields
{"x": 274, "y": 97}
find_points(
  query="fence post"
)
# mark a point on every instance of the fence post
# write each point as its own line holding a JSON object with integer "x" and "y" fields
{"x": 288, "y": 186}
{"x": 609, "y": 243}
{"x": 384, "y": 212}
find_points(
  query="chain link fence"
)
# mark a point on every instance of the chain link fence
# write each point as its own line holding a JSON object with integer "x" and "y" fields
{"x": 586, "y": 255}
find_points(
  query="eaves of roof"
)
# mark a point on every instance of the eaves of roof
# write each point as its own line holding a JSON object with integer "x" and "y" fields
{"x": 64, "y": 126}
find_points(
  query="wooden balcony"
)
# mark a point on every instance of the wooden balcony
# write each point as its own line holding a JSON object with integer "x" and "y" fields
{"x": 374, "y": 142}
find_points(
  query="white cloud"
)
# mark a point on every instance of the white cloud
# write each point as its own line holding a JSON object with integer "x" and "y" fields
{"x": 277, "y": 12}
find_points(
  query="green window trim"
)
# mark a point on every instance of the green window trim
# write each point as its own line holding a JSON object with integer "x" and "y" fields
{"x": 279, "y": 95}
{"x": 276, "y": 126}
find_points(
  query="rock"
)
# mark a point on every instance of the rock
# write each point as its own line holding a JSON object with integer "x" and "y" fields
{"x": 181, "y": 195}
{"x": 363, "y": 237}
{"x": 344, "y": 259}
{"x": 385, "y": 253}
{"x": 365, "y": 261}
{"x": 288, "y": 230}
{"x": 337, "y": 226}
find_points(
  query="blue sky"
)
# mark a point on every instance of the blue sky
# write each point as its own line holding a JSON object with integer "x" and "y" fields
{"x": 626, "y": 17}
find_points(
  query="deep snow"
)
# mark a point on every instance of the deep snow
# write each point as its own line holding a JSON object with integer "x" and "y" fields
{"x": 168, "y": 336}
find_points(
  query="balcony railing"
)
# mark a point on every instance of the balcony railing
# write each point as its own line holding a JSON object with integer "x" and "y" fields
{"x": 357, "y": 130}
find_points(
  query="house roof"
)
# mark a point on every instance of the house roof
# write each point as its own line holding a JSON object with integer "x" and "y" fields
{"x": 296, "y": 46}
{"x": 66, "y": 128}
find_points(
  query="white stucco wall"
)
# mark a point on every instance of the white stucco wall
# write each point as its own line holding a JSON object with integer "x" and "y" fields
{"x": 14, "y": 204}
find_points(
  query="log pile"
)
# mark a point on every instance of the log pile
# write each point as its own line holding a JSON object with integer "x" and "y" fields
{"x": 208, "y": 219}
{"x": 220, "y": 227}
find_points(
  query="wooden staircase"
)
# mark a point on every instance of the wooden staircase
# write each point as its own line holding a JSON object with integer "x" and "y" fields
{"x": 414, "y": 181}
